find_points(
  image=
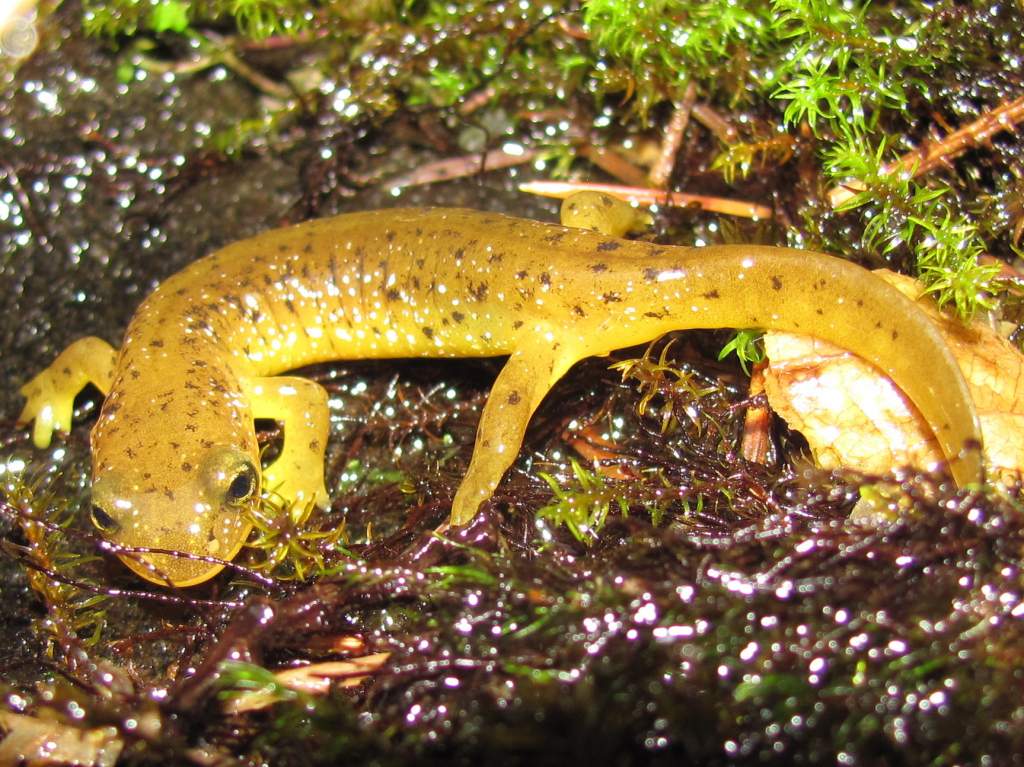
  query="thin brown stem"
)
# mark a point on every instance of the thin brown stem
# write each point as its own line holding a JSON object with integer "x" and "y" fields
{"x": 460, "y": 167}
{"x": 673, "y": 140}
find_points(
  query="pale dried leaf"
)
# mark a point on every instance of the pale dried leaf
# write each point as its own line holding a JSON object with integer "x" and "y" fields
{"x": 38, "y": 742}
{"x": 314, "y": 679}
{"x": 854, "y": 416}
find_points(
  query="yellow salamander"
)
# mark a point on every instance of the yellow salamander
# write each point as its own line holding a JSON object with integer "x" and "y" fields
{"x": 174, "y": 452}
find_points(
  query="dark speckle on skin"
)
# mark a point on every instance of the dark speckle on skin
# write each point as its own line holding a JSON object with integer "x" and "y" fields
{"x": 545, "y": 279}
{"x": 711, "y": 295}
{"x": 776, "y": 282}
{"x": 458, "y": 316}
{"x": 651, "y": 274}
{"x": 522, "y": 275}
{"x": 428, "y": 332}
{"x": 517, "y": 324}
{"x": 598, "y": 268}
{"x": 578, "y": 311}
{"x": 609, "y": 245}
{"x": 514, "y": 398}
{"x": 611, "y": 297}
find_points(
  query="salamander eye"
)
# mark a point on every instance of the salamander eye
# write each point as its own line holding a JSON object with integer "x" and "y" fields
{"x": 242, "y": 486}
{"x": 103, "y": 521}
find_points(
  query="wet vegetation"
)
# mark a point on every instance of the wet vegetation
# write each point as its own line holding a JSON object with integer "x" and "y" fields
{"x": 636, "y": 591}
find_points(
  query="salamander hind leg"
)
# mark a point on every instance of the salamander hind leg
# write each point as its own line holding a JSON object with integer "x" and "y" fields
{"x": 300, "y": 405}
{"x": 51, "y": 394}
{"x": 526, "y": 378}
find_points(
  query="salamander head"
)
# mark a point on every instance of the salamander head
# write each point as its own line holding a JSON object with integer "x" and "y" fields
{"x": 161, "y": 480}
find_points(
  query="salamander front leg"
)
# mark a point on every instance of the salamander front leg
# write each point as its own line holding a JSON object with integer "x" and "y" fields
{"x": 300, "y": 405}
{"x": 600, "y": 212}
{"x": 51, "y": 394}
{"x": 519, "y": 388}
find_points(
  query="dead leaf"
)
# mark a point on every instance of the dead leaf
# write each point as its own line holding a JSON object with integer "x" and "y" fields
{"x": 314, "y": 679}
{"x": 854, "y": 416}
{"x": 39, "y": 742}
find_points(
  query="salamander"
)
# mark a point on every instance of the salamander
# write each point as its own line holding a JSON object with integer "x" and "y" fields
{"x": 175, "y": 462}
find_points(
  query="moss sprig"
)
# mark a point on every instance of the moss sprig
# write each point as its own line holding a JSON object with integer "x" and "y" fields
{"x": 900, "y": 212}
{"x": 583, "y": 509}
{"x": 73, "y": 615}
{"x": 294, "y": 544}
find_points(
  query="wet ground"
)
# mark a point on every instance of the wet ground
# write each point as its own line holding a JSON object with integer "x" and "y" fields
{"x": 749, "y": 625}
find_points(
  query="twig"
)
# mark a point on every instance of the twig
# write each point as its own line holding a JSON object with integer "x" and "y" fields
{"x": 573, "y": 31}
{"x": 931, "y": 154}
{"x": 35, "y": 225}
{"x": 643, "y": 196}
{"x": 614, "y": 164}
{"x": 279, "y": 42}
{"x": 715, "y": 123}
{"x": 460, "y": 167}
{"x": 662, "y": 170}
{"x": 221, "y": 55}
{"x": 259, "y": 80}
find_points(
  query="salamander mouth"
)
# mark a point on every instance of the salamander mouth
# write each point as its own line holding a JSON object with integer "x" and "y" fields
{"x": 207, "y": 554}
{"x": 170, "y": 570}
